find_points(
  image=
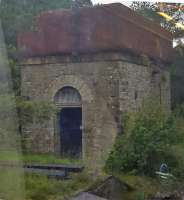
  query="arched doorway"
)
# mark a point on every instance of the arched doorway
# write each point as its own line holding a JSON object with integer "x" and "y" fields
{"x": 69, "y": 119}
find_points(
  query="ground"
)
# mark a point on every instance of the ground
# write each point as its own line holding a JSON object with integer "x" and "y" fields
{"x": 40, "y": 187}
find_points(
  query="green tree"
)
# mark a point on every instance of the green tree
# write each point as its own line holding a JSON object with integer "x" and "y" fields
{"x": 147, "y": 142}
{"x": 81, "y": 3}
{"x": 150, "y": 11}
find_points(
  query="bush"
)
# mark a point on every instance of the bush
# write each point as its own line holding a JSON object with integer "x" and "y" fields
{"x": 147, "y": 142}
{"x": 34, "y": 111}
{"x": 40, "y": 187}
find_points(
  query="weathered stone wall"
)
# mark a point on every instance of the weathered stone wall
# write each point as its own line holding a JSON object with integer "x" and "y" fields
{"x": 109, "y": 84}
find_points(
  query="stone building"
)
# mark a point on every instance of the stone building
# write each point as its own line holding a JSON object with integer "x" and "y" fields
{"x": 95, "y": 64}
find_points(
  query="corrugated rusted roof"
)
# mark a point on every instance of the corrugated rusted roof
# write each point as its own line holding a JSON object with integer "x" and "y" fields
{"x": 112, "y": 27}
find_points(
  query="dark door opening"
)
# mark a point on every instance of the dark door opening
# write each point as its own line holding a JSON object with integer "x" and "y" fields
{"x": 70, "y": 131}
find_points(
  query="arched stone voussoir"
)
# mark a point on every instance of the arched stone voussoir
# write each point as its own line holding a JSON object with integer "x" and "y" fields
{"x": 72, "y": 81}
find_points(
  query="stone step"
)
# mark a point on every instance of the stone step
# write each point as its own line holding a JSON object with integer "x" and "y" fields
{"x": 57, "y": 174}
{"x": 62, "y": 167}
{"x": 67, "y": 168}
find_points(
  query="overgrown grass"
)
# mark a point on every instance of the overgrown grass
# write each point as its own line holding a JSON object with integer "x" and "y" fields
{"x": 48, "y": 159}
{"x": 40, "y": 187}
{"x": 11, "y": 183}
{"x": 10, "y": 156}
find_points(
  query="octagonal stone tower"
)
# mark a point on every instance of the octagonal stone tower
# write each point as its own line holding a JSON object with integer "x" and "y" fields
{"x": 95, "y": 64}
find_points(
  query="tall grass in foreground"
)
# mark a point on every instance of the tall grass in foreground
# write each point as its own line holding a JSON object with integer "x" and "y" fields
{"x": 11, "y": 180}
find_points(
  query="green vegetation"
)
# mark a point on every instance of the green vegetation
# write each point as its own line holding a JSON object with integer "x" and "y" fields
{"x": 11, "y": 156}
{"x": 40, "y": 187}
{"x": 143, "y": 187}
{"x": 12, "y": 183}
{"x": 34, "y": 111}
{"x": 48, "y": 159}
{"x": 150, "y": 10}
{"x": 150, "y": 139}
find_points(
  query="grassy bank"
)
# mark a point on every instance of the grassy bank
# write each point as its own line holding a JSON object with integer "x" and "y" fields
{"x": 11, "y": 156}
{"x": 40, "y": 187}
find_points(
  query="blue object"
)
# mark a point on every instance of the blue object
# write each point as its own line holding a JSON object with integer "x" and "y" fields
{"x": 164, "y": 168}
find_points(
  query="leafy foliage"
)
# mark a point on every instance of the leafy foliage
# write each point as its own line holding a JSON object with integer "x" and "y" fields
{"x": 148, "y": 143}
{"x": 81, "y": 3}
{"x": 35, "y": 111}
{"x": 30, "y": 112}
{"x": 149, "y": 10}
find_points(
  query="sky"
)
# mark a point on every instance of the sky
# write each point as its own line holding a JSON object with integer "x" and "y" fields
{"x": 128, "y": 2}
